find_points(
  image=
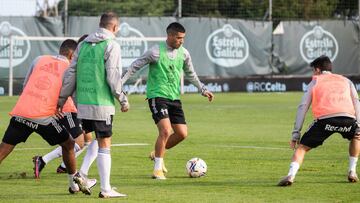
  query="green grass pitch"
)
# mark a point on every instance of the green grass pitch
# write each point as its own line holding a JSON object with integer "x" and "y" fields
{"x": 242, "y": 137}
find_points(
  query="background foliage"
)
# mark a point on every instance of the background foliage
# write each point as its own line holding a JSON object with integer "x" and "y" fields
{"x": 249, "y": 9}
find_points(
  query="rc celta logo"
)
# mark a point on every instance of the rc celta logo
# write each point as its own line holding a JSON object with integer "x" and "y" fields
{"x": 131, "y": 50}
{"x": 21, "y": 48}
{"x": 227, "y": 47}
{"x": 318, "y": 42}
{"x": 265, "y": 87}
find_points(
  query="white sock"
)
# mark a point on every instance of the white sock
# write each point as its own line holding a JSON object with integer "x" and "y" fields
{"x": 158, "y": 163}
{"x": 91, "y": 154}
{"x": 352, "y": 163}
{"x": 72, "y": 184}
{"x": 56, "y": 153}
{"x": 104, "y": 167}
{"x": 77, "y": 150}
{"x": 294, "y": 167}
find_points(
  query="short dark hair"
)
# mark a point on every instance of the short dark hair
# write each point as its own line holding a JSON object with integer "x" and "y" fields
{"x": 67, "y": 46}
{"x": 107, "y": 18}
{"x": 175, "y": 27}
{"x": 82, "y": 38}
{"x": 323, "y": 63}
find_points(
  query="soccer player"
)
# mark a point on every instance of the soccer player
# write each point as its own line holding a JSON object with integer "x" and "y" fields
{"x": 36, "y": 108}
{"x": 95, "y": 73}
{"x": 336, "y": 109}
{"x": 167, "y": 60}
{"x": 72, "y": 125}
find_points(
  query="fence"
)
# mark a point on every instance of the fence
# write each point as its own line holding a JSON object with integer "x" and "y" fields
{"x": 244, "y": 9}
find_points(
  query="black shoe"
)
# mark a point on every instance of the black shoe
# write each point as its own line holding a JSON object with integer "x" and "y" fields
{"x": 286, "y": 181}
{"x": 61, "y": 169}
{"x": 39, "y": 164}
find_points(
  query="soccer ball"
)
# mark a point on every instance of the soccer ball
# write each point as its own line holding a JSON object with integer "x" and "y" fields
{"x": 196, "y": 168}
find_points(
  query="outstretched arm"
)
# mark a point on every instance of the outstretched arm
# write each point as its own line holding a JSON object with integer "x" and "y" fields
{"x": 190, "y": 75}
{"x": 300, "y": 115}
{"x": 150, "y": 56}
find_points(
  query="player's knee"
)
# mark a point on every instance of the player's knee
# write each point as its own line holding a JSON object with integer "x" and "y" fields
{"x": 80, "y": 143}
{"x": 164, "y": 133}
{"x": 183, "y": 135}
{"x": 302, "y": 148}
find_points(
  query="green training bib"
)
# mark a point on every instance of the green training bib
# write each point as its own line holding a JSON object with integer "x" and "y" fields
{"x": 91, "y": 84}
{"x": 164, "y": 75}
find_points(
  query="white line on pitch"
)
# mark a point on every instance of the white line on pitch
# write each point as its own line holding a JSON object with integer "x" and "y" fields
{"x": 113, "y": 145}
{"x": 129, "y": 144}
{"x": 35, "y": 148}
{"x": 251, "y": 147}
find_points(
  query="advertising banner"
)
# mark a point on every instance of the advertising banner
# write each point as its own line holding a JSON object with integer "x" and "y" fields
{"x": 25, "y": 51}
{"x": 254, "y": 84}
{"x": 229, "y": 47}
{"x": 218, "y": 47}
{"x": 301, "y": 42}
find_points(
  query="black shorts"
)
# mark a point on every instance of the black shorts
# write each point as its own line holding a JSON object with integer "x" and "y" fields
{"x": 19, "y": 130}
{"x": 101, "y": 128}
{"x": 165, "y": 108}
{"x": 320, "y": 130}
{"x": 72, "y": 124}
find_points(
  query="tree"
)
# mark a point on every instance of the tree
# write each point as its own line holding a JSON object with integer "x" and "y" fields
{"x": 122, "y": 8}
{"x": 245, "y": 9}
